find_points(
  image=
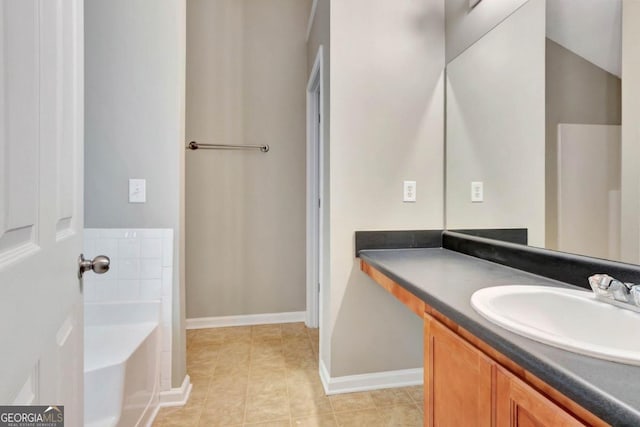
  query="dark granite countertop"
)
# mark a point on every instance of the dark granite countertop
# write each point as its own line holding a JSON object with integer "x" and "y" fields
{"x": 446, "y": 280}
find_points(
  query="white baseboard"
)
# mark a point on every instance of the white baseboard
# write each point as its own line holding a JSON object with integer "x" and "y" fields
{"x": 245, "y": 320}
{"x": 373, "y": 381}
{"x": 176, "y": 396}
{"x": 148, "y": 421}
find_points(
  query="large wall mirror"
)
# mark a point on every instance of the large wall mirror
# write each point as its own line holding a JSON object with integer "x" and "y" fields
{"x": 534, "y": 114}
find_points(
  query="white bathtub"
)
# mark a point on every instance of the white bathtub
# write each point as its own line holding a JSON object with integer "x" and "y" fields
{"x": 121, "y": 368}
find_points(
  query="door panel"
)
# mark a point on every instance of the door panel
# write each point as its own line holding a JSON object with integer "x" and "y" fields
{"x": 41, "y": 116}
{"x": 19, "y": 112}
{"x": 518, "y": 405}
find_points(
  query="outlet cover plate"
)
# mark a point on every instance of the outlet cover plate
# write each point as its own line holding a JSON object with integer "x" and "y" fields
{"x": 137, "y": 191}
{"x": 409, "y": 192}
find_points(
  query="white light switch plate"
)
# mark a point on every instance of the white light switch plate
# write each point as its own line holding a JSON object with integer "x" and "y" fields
{"x": 477, "y": 192}
{"x": 137, "y": 191}
{"x": 409, "y": 193}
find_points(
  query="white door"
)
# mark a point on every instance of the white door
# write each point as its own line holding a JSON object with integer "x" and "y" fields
{"x": 41, "y": 157}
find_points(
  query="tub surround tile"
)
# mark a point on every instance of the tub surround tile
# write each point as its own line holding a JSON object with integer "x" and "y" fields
{"x": 167, "y": 281}
{"x": 99, "y": 290}
{"x": 141, "y": 270}
{"x": 151, "y": 289}
{"x": 129, "y": 290}
{"x": 128, "y": 248}
{"x": 128, "y": 269}
{"x": 89, "y": 247}
{"x": 91, "y": 233}
{"x": 150, "y": 269}
{"x": 105, "y": 246}
{"x": 108, "y": 290}
{"x": 167, "y": 251}
{"x": 151, "y": 248}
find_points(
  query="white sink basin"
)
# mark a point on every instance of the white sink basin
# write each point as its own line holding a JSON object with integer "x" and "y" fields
{"x": 569, "y": 319}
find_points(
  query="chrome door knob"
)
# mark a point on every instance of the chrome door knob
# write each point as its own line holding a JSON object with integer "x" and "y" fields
{"x": 99, "y": 265}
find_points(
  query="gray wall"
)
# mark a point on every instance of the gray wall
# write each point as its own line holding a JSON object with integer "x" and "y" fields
{"x": 387, "y": 101}
{"x": 464, "y": 25}
{"x": 246, "y": 80}
{"x": 577, "y": 91}
{"x": 132, "y": 71}
{"x": 133, "y": 117}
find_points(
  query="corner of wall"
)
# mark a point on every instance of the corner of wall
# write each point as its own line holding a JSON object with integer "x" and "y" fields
{"x": 387, "y": 125}
{"x": 179, "y": 368}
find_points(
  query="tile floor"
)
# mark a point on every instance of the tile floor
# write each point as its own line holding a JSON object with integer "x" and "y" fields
{"x": 268, "y": 376}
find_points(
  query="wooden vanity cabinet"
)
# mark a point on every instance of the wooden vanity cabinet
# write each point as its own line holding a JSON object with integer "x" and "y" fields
{"x": 468, "y": 383}
{"x": 517, "y": 404}
{"x": 465, "y": 387}
{"x": 457, "y": 379}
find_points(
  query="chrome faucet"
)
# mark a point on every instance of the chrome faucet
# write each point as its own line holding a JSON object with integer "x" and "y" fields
{"x": 608, "y": 289}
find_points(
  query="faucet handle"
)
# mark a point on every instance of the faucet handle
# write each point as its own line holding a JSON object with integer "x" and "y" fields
{"x": 607, "y": 286}
{"x": 600, "y": 283}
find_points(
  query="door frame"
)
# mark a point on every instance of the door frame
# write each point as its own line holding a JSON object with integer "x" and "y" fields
{"x": 315, "y": 176}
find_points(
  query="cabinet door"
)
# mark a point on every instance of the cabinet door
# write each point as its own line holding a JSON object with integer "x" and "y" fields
{"x": 457, "y": 378}
{"x": 519, "y": 405}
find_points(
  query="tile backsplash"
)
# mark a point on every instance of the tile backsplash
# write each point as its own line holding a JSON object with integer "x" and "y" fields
{"x": 141, "y": 270}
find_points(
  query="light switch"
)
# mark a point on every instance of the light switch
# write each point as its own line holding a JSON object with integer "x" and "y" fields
{"x": 137, "y": 191}
{"x": 409, "y": 193}
{"x": 477, "y": 192}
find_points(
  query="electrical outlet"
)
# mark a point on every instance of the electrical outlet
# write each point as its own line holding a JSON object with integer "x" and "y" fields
{"x": 477, "y": 192}
{"x": 409, "y": 193}
{"x": 137, "y": 191}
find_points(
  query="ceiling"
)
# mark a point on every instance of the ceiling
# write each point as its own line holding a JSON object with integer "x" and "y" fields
{"x": 591, "y": 29}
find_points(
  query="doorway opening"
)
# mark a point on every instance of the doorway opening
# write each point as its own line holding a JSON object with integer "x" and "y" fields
{"x": 315, "y": 148}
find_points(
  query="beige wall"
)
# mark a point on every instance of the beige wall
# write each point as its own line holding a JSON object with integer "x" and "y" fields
{"x": 630, "y": 189}
{"x": 495, "y": 127}
{"x": 245, "y": 210}
{"x": 577, "y": 91}
{"x": 387, "y": 101}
